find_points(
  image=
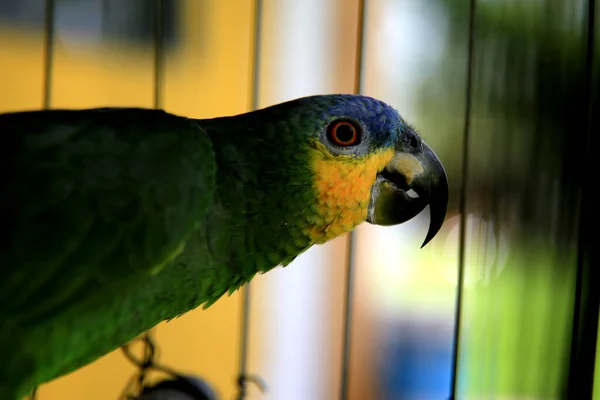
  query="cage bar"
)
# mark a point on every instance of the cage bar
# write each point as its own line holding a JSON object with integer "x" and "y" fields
{"x": 246, "y": 290}
{"x": 463, "y": 202}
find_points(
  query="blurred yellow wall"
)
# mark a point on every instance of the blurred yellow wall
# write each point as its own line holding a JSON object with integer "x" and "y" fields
{"x": 211, "y": 81}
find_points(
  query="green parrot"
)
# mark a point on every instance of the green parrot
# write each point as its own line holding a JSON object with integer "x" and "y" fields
{"x": 120, "y": 218}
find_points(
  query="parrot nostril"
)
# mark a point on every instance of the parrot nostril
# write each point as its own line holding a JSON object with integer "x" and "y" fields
{"x": 412, "y": 140}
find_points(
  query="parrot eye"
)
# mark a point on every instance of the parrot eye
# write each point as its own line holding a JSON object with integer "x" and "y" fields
{"x": 343, "y": 133}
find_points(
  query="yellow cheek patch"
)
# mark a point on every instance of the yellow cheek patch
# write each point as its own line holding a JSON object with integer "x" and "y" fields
{"x": 343, "y": 185}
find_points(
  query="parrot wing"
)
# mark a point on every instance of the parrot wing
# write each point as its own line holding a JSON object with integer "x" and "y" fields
{"x": 95, "y": 197}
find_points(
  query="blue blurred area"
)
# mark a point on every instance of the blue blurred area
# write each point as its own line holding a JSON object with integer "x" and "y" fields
{"x": 416, "y": 360}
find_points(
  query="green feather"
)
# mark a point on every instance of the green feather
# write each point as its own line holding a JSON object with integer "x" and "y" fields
{"x": 118, "y": 219}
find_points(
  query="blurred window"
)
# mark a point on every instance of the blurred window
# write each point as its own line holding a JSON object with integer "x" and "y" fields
{"x": 118, "y": 20}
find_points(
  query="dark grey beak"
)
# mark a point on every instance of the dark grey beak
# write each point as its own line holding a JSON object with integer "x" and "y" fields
{"x": 422, "y": 172}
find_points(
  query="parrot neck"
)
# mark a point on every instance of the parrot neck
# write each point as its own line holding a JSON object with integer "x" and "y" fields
{"x": 264, "y": 197}
{"x": 278, "y": 193}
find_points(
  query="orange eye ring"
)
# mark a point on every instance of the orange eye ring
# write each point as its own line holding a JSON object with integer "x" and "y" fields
{"x": 344, "y": 133}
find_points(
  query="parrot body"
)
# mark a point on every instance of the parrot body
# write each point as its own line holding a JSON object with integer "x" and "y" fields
{"x": 120, "y": 218}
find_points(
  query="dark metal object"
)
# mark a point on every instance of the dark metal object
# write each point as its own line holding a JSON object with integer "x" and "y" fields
{"x": 177, "y": 387}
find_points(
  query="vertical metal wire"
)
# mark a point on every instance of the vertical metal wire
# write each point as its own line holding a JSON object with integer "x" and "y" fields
{"x": 587, "y": 287}
{"x": 47, "y": 80}
{"x": 463, "y": 200}
{"x": 158, "y": 79}
{"x": 351, "y": 250}
{"x": 48, "y": 52}
{"x": 245, "y": 322}
{"x": 158, "y": 53}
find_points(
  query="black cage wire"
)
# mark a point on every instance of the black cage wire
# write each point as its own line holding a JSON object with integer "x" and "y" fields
{"x": 579, "y": 382}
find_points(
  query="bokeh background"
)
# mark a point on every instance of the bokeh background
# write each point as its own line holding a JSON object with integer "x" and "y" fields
{"x": 508, "y": 100}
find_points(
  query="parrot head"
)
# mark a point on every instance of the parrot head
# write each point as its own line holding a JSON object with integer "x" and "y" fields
{"x": 327, "y": 164}
{"x": 370, "y": 165}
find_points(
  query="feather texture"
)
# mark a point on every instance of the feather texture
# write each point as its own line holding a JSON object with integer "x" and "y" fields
{"x": 118, "y": 219}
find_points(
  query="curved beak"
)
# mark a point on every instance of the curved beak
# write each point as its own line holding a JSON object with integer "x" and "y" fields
{"x": 391, "y": 202}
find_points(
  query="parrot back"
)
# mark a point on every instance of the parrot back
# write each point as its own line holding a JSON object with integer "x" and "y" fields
{"x": 92, "y": 201}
